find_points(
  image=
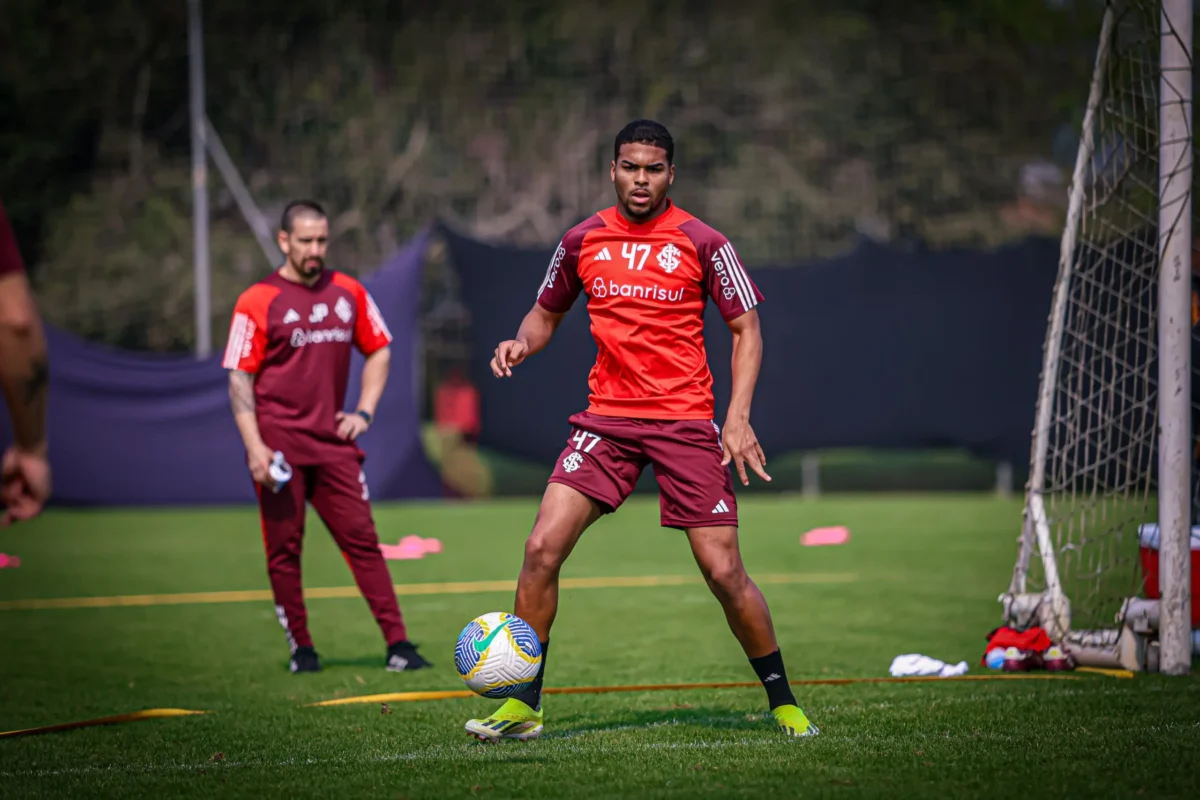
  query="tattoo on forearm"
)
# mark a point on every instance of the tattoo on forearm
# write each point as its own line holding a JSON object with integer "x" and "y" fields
{"x": 37, "y": 382}
{"x": 241, "y": 391}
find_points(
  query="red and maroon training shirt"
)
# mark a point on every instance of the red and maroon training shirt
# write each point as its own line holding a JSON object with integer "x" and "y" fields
{"x": 296, "y": 340}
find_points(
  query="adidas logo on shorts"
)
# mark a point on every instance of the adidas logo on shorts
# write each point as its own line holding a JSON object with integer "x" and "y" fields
{"x": 721, "y": 507}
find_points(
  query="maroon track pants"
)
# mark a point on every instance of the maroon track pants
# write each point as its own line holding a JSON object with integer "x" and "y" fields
{"x": 338, "y": 493}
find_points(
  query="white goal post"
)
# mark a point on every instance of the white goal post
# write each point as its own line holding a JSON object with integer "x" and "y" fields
{"x": 1112, "y": 452}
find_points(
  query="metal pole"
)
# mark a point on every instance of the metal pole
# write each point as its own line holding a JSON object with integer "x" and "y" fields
{"x": 241, "y": 194}
{"x": 1174, "y": 335}
{"x": 203, "y": 281}
{"x": 1004, "y": 479}
{"x": 810, "y": 475}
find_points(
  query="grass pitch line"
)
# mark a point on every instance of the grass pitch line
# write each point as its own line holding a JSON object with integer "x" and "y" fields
{"x": 459, "y": 694}
{"x": 136, "y": 716}
{"x": 402, "y": 589}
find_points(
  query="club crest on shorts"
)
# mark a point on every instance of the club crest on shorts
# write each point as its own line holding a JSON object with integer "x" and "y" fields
{"x": 572, "y": 462}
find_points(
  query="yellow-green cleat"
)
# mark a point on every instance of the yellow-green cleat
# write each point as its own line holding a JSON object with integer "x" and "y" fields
{"x": 513, "y": 720}
{"x": 792, "y": 721}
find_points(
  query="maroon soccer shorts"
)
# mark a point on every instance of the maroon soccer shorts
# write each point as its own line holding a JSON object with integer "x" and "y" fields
{"x": 605, "y": 456}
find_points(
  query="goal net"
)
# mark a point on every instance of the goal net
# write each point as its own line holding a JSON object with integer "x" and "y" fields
{"x": 1104, "y": 416}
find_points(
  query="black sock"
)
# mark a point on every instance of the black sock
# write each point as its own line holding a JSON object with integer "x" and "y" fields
{"x": 770, "y": 671}
{"x": 532, "y": 696}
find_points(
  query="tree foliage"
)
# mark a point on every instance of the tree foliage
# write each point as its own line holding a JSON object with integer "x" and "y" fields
{"x": 801, "y": 125}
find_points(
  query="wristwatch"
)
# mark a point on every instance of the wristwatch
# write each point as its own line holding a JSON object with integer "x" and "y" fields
{"x": 364, "y": 415}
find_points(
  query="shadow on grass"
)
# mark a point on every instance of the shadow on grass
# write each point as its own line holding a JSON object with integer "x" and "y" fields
{"x": 577, "y": 725}
{"x": 371, "y": 663}
{"x": 368, "y": 662}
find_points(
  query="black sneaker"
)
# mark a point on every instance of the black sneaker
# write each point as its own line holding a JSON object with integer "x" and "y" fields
{"x": 403, "y": 657}
{"x": 304, "y": 659}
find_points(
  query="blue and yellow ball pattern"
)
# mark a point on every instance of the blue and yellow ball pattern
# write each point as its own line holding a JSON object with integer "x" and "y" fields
{"x": 498, "y": 655}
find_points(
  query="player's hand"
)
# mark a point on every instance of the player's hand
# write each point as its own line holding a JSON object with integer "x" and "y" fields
{"x": 508, "y": 355}
{"x": 351, "y": 426}
{"x": 742, "y": 448}
{"x": 260, "y": 465}
{"x": 24, "y": 484}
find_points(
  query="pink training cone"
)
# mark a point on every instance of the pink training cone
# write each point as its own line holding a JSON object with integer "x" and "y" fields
{"x": 9, "y": 562}
{"x": 410, "y": 548}
{"x": 823, "y": 536}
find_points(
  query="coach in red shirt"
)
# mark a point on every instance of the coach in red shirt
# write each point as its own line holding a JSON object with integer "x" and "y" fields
{"x": 289, "y": 360}
{"x": 24, "y": 374}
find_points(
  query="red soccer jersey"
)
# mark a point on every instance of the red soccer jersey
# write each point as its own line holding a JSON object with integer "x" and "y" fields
{"x": 10, "y": 256}
{"x": 296, "y": 341}
{"x": 647, "y": 285}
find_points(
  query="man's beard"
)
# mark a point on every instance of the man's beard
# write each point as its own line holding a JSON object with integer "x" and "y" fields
{"x": 311, "y": 266}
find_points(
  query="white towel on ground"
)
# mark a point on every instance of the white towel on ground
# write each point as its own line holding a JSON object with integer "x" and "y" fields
{"x": 917, "y": 664}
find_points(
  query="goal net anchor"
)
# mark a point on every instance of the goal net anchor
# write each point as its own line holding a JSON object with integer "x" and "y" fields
{"x": 1112, "y": 438}
{"x": 1132, "y": 645}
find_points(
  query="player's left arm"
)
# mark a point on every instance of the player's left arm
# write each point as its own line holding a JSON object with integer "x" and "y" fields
{"x": 373, "y": 339}
{"x": 374, "y": 380}
{"x": 736, "y": 297}
{"x": 741, "y": 444}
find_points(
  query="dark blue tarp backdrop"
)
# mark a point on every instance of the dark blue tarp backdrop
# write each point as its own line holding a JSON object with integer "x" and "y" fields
{"x": 877, "y": 348}
{"x": 138, "y": 429}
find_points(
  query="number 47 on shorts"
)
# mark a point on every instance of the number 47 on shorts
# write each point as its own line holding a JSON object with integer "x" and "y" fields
{"x": 585, "y": 441}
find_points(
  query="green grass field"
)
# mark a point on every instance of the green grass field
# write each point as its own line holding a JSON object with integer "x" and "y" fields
{"x": 920, "y": 574}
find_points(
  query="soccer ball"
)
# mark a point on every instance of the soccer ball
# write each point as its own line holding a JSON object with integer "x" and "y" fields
{"x": 498, "y": 655}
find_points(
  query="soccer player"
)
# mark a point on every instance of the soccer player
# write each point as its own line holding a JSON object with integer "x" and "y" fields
{"x": 24, "y": 374}
{"x": 288, "y": 358}
{"x": 648, "y": 268}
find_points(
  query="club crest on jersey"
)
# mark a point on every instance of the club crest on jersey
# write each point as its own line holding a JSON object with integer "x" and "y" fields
{"x": 572, "y": 462}
{"x": 343, "y": 310}
{"x": 668, "y": 258}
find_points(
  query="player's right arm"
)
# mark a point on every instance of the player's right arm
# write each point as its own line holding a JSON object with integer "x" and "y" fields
{"x": 244, "y": 354}
{"x": 557, "y": 294}
{"x": 241, "y": 398}
{"x": 532, "y": 337}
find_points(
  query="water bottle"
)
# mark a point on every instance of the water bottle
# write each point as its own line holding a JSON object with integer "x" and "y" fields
{"x": 280, "y": 471}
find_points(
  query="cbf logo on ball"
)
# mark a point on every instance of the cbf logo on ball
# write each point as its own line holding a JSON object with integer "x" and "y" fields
{"x": 498, "y": 655}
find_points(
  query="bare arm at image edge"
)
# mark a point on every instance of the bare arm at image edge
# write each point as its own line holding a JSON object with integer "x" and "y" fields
{"x": 25, "y": 376}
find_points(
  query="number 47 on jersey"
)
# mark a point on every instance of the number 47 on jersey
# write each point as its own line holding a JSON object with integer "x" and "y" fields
{"x": 638, "y": 252}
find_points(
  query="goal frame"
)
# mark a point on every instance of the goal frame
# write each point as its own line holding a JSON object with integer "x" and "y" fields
{"x": 1151, "y": 635}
